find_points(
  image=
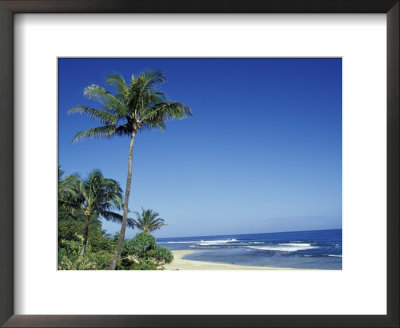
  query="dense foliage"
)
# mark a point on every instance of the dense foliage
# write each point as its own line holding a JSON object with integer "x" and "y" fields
{"x": 142, "y": 253}
{"x": 99, "y": 247}
{"x": 139, "y": 253}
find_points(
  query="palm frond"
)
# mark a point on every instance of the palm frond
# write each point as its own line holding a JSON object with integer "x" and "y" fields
{"x": 117, "y": 218}
{"x": 69, "y": 197}
{"x": 157, "y": 115}
{"x": 83, "y": 190}
{"x": 152, "y": 77}
{"x": 157, "y": 97}
{"x": 111, "y": 216}
{"x": 122, "y": 130}
{"x": 60, "y": 173}
{"x": 109, "y": 102}
{"x": 96, "y": 114}
{"x": 143, "y": 89}
{"x": 130, "y": 223}
{"x": 101, "y": 131}
{"x": 117, "y": 81}
{"x": 148, "y": 220}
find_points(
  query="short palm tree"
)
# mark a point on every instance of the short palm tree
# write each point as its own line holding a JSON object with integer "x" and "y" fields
{"x": 98, "y": 196}
{"x": 68, "y": 197}
{"x": 148, "y": 220}
{"x": 135, "y": 106}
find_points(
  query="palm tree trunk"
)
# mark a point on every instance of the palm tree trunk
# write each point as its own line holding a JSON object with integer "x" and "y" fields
{"x": 126, "y": 200}
{"x": 85, "y": 234}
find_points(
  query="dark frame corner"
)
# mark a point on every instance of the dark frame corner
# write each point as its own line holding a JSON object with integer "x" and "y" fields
{"x": 10, "y": 7}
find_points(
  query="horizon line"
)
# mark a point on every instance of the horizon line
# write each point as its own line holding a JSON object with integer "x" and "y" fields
{"x": 254, "y": 233}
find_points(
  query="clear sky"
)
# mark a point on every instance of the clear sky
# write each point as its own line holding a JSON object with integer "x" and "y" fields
{"x": 262, "y": 153}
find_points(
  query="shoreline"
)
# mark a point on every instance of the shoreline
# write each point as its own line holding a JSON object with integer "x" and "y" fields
{"x": 181, "y": 264}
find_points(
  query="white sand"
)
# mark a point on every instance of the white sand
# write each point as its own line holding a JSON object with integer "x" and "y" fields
{"x": 180, "y": 264}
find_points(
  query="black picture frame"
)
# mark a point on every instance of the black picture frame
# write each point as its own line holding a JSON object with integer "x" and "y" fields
{"x": 8, "y": 200}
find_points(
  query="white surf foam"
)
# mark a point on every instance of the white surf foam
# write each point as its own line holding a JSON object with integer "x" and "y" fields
{"x": 201, "y": 242}
{"x": 284, "y": 247}
{"x": 181, "y": 242}
{"x": 216, "y": 242}
{"x": 296, "y": 244}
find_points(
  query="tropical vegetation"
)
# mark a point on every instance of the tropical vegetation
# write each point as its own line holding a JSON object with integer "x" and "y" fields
{"x": 83, "y": 244}
{"x": 135, "y": 106}
{"x": 97, "y": 196}
{"x": 148, "y": 220}
{"x": 142, "y": 253}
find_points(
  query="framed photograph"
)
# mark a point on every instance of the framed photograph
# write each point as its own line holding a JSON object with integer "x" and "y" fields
{"x": 199, "y": 164}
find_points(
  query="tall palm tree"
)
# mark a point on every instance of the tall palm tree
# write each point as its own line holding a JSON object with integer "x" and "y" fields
{"x": 98, "y": 196}
{"x": 148, "y": 220}
{"x": 135, "y": 106}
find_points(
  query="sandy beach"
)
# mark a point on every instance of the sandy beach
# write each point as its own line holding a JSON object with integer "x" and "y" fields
{"x": 180, "y": 264}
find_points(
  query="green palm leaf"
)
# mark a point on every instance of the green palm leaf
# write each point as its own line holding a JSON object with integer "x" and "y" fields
{"x": 148, "y": 220}
{"x": 165, "y": 110}
{"x": 104, "y": 97}
{"x": 96, "y": 114}
{"x": 101, "y": 131}
{"x": 117, "y": 81}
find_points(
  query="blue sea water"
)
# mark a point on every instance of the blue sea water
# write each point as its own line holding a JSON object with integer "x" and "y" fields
{"x": 317, "y": 249}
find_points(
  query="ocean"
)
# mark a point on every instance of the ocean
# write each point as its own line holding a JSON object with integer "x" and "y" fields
{"x": 317, "y": 249}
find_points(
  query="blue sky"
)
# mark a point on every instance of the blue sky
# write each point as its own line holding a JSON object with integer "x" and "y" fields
{"x": 262, "y": 152}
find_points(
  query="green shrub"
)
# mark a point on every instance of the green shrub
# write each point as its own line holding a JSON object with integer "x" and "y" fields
{"x": 142, "y": 253}
{"x": 79, "y": 263}
{"x": 101, "y": 258}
